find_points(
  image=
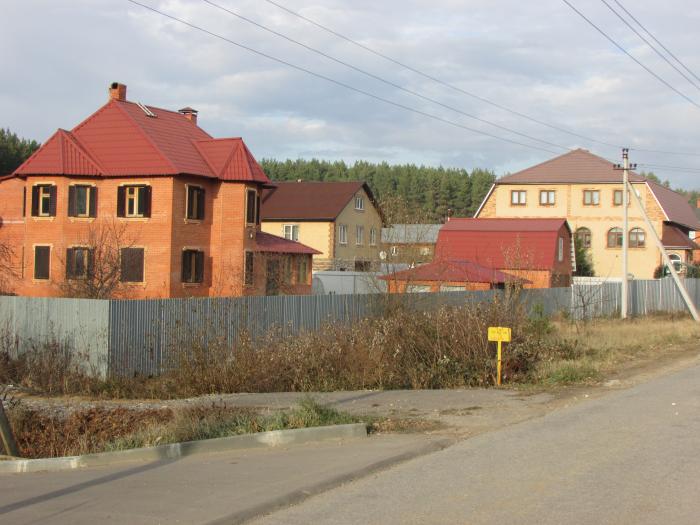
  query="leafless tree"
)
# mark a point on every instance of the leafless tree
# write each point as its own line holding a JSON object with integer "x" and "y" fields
{"x": 100, "y": 268}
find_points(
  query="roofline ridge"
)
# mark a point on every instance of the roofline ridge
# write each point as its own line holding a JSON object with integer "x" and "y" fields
{"x": 195, "y": 143}
{"x": 145, "y": 135}
{"x": 33, "y": 155}
{"x": 539, "y": 164}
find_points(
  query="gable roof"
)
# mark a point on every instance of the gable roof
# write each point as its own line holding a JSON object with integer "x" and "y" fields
{"x": 502, "y": 243}
{"x": 673, "y": 237}
{"x": 577, "y": 166}
{"x": 309, "y": 201}
{"x": 675, "y": 206}
{"x": 453, "y": 271}
{"x": 120, "y": 139}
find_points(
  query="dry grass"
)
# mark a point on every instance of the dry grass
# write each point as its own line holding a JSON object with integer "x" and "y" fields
{"x": 92, "y": 430}
{"x": 606, "y": 346}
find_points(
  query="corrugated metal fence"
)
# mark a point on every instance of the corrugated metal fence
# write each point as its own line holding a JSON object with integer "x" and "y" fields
{"x": 126, "y": 337}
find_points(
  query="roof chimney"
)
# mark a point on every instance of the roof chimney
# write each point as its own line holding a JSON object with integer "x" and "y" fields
{"x": 189, "y": 113}
{"x": 117, "y": 91}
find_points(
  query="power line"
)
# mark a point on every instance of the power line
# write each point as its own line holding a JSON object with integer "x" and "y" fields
{"x": 438, "y": 80}
{"x": 379, "y": 78}
{"x": 672, "y": 168}
{"x": 692, "y": 83}
{"x": 613, "y": 42}
{"x": 656, "y": 40}
{"x": 664, "y": 152}
{"x": 338, "y": 82}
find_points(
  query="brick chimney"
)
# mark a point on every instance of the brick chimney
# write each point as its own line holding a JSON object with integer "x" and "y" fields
{"x": 117, "y": 91}
{"x": 189, "y": 113}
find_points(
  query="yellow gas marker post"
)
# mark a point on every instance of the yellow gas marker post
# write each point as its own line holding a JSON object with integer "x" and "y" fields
{"x": 499, "y": 334}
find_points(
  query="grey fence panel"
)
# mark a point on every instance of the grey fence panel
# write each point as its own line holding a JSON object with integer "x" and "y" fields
{"x": 78, "y": 324}
{"x": 144, "y": 336}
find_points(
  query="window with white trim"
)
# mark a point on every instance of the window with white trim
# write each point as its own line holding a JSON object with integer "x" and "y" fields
{"x": 291, "y": 232}
{"x": 342, "y": 234}
{"x": 373, "y": 236}
{"x": 359, "y": 202}
{"x": 359, "y": 235}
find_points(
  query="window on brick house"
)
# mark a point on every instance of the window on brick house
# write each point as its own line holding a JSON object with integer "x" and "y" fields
{"x": 42, "y": 262}
{"x": 195, "y": 203}
{"x": 303, "y": 277}
{"x": 615, "y": 238}
{"x": 192, "y": 266}
{"x": 583, "y": 237}
{"x": 82, "y": 201}
{"x": 134, "y": 201}
{"x": 251, "y": 213}
{"x": 44, "y": 200}
{"x": 637, "y": 238}
{"x": 79, "y": 262}
{"x": 132, "y": 265}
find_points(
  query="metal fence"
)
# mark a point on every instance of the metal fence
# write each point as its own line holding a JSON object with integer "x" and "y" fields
{"x": 139, "y": 336}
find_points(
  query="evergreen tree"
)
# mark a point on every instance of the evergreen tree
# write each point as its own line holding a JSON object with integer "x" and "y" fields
{"x": 14, "y": 151}
{"x": 584, "y": 265}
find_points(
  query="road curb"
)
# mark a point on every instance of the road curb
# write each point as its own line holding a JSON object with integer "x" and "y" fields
{"x": 273, "y": 438}
{"x": 300, "y": 495}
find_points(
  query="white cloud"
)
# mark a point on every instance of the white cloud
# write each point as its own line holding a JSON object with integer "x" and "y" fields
{"x": 538, "y": 58}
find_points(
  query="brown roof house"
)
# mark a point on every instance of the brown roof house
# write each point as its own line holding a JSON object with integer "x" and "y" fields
{"x": 587, "y": 191}
{"x": 339, "y": 219}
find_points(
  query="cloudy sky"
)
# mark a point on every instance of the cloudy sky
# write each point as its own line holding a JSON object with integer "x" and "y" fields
{"x": 538, "y": 58}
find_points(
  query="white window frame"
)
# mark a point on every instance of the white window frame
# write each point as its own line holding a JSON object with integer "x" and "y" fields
{"x": 372, "y": 236}
{"x": 44, "y": 193}
{"x": 131, "y": 193}
{"x": 293, "y": 230}
{"x": 342, "y": 234}
{"x": 359, "y": 202}
{"x": 359, "y": 235}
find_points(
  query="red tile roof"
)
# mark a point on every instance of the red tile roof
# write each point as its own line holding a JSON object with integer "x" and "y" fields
{"x": 502, "y": 243}
{"x": 120, "y": 139}
{"x": 266, "y": 242}
{"x": 453, "y": 271}
{"x": 577, "y": 166}
{"x": 311, "y": 201}
{"x": 673, "y": 237}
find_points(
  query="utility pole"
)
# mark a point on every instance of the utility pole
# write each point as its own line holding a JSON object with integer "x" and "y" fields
{"x": 627, "y": 190}
{"x": 625, "y": 229}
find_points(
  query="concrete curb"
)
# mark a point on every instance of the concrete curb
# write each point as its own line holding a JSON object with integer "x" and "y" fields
{"x": 300, "y": 495}
{"x": 274, "y": 438}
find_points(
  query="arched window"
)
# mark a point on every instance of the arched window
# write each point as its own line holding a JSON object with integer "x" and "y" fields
{"x": 675, "y": 261}
{"x": 583, "y": 237}
{"x": 615, "y": 238}
{"x": 637, "y": 238}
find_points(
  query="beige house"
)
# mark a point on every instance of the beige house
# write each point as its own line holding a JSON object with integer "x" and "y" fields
{"x": 587, "y": 190}
{"x": 339, "y": 219}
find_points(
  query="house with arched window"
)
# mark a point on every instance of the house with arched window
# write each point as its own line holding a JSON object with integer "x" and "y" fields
{"x": 587, "y": 190}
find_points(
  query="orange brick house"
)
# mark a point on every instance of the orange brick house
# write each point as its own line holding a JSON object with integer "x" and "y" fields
{"x": 479, "y": 254}
{"x": 182, "y": 209}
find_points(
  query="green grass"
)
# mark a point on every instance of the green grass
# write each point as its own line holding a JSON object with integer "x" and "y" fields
{"x": 568, "y": 372}
{"x": 220, "y": 421}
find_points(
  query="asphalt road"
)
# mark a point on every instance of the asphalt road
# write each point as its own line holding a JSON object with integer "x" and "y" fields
{"x": 630, "y": 457}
